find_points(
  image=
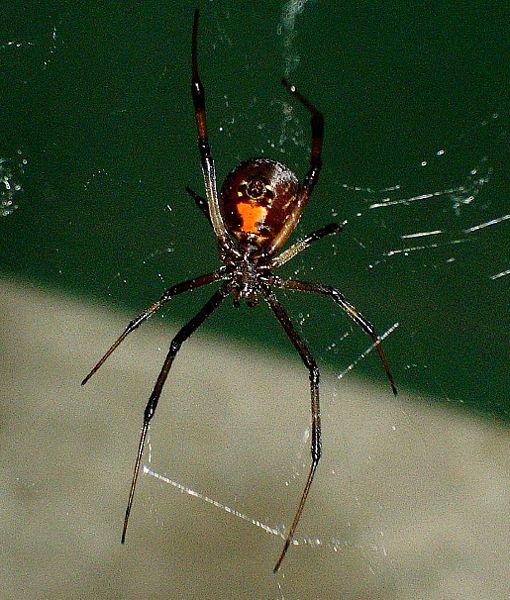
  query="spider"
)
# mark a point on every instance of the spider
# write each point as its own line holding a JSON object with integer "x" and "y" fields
{"x": 258, "y": 208}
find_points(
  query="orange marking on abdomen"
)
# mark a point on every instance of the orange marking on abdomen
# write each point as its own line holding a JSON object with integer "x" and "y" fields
{"x": 252, "y": 216}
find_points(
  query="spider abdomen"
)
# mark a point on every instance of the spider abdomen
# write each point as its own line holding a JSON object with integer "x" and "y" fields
{"x": 256, "y": 200}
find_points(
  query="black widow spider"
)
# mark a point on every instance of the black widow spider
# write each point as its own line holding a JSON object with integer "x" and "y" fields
{"x": 258, "y": 208}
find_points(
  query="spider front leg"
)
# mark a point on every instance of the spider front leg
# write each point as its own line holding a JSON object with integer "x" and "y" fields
{"x": 352, "y": 312}
{"x": 313, "y": 370}
{"x": 312, "y": 175}
{"x": 206, "y": 159}
{"x": 317, "y": 123}
{"x": 150, "y": 409}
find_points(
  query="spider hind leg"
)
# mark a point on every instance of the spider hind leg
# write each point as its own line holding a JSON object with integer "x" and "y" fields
{"x": 316, "y": 447}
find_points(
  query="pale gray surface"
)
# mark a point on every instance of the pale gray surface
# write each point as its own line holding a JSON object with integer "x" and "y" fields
{"x": 410, "y": 502}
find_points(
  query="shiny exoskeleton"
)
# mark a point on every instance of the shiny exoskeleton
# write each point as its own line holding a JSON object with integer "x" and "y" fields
{"x": 259, "y": 206}
{"x": 256, "y": 200}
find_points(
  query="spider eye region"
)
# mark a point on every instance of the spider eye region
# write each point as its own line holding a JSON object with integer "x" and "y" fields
{"x": 256, "y": 200}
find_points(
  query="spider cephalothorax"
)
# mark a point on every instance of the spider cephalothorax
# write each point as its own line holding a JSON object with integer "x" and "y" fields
{"x": 258, "y": 208}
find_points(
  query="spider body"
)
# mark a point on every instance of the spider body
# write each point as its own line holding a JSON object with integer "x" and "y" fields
{"x": 257, "y": 210}
{"x": 256, "y": 200}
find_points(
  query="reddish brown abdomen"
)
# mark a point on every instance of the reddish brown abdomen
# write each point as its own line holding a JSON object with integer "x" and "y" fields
{"x": 257, "y": 198}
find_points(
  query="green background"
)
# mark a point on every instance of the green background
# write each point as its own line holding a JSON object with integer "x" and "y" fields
{"x": 98, "y": 133}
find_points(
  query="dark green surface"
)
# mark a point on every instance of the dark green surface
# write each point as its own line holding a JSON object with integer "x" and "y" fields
{"x": 96, "y": 99}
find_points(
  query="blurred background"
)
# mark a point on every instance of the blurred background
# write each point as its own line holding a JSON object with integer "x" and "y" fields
{"x": 98, "y": 143}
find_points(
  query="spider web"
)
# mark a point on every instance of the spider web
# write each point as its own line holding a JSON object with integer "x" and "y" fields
{"x": 424, "y": 254}
{"x": 443, "y": 218}
{"x": 438, "y": 219}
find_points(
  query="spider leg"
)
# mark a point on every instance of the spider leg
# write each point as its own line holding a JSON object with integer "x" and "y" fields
{"x": 312, "y": 175}
{"x": 304, "y": 243}
{"x": 201, "y": 203}
{"x": 352, "y": 312}
{"x": 317, "y": 122}
{"x": 183, "y": 334}
{"x": 167, "y": 295}
{"x": 313, "y": 370}
{"x": 206, "y": 159}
